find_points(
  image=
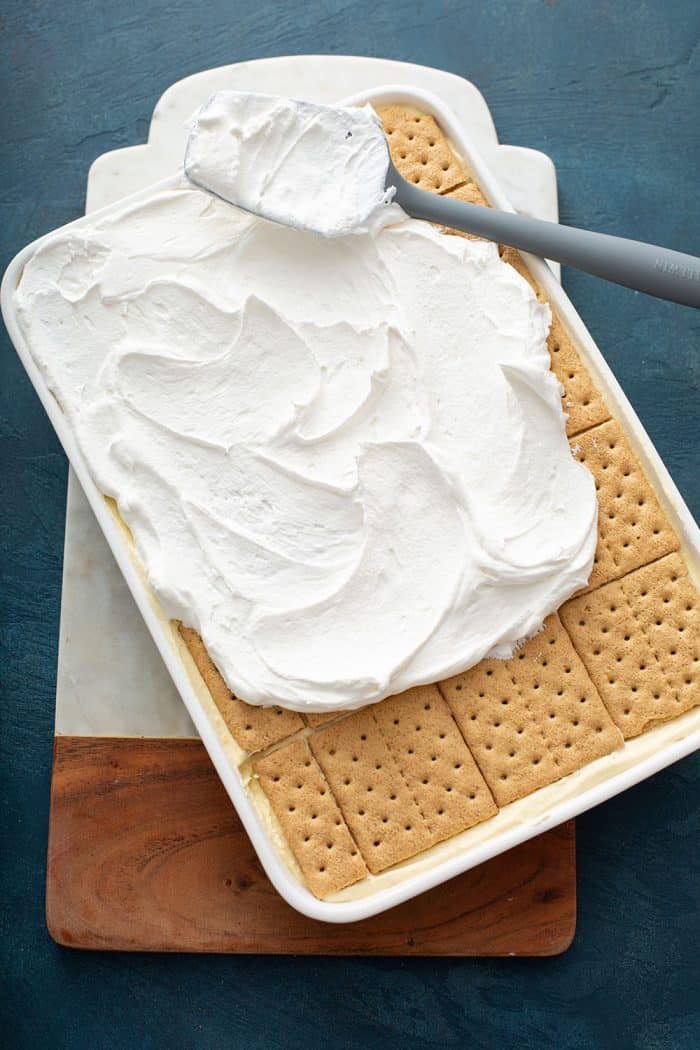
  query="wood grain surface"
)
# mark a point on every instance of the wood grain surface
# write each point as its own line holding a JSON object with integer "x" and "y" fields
{"x": 146, "y": 853}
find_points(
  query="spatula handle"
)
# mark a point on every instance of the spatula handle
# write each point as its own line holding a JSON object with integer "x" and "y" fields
{"x": 646, "y": 267}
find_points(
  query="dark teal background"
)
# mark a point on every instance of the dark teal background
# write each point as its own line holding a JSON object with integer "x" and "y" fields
{"x": 611, "y": 91}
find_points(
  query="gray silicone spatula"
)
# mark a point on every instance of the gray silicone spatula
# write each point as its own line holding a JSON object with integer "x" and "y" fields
{"x": 275, "y": 157}
{"x": 645, "y": 267}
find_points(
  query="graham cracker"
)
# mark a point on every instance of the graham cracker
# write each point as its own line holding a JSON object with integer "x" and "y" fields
{"x": 632, "y": 528}
{"x": 379, "y": 808}
{"x": 639, "y": 638}
{"x": 470, "y": 194}
{"x": 420, "y": 151}
{"x": 253, "y": 728}
{"x": 513, "y": 257}
{"x": 311, "y": 821}
{"x": 434, "y": 760}
{"x": 581, "y": 400}
{"x": 533, "y": 718}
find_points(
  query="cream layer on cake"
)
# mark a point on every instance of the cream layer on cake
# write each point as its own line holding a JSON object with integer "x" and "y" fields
{"x": 343, "y": 461}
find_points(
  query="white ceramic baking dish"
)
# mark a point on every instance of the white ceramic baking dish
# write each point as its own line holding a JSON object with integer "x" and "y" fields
{"x": 515, "y": 823}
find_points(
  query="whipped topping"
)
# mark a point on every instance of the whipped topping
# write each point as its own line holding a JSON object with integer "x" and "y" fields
{"x": 343, "y": 461}
{"x": 320, "y": 168}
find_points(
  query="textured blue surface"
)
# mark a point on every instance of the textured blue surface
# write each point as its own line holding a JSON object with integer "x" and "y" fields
{"x": 611, "y": 91}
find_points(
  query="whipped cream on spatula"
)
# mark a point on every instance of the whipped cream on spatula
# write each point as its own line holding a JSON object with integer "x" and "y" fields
{"x": 318, "y": 168}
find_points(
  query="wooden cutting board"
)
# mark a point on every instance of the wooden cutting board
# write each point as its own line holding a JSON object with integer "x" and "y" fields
{"x": 146, "y": 853}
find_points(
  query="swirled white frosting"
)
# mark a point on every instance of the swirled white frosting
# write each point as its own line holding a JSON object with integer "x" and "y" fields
{"x": 343, "y": 461}
{"x": 320, "y": 168}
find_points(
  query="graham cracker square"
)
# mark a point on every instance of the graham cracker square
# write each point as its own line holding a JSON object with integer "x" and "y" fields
{"x": 632, "y": 528}
{"x": 533, "y": 718}
{"x": 470, "y": 194}
{"x": 434, "y": 760}
{"x": 253, "y": 728}
{"x": 310, "y": 819}
{"x": 639, "y": 638}
{"x": 581, "y": 400}
{"x": 513, "y": 257}
{"x": 420, "y": 150}
{"x": 378, "y": 806}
